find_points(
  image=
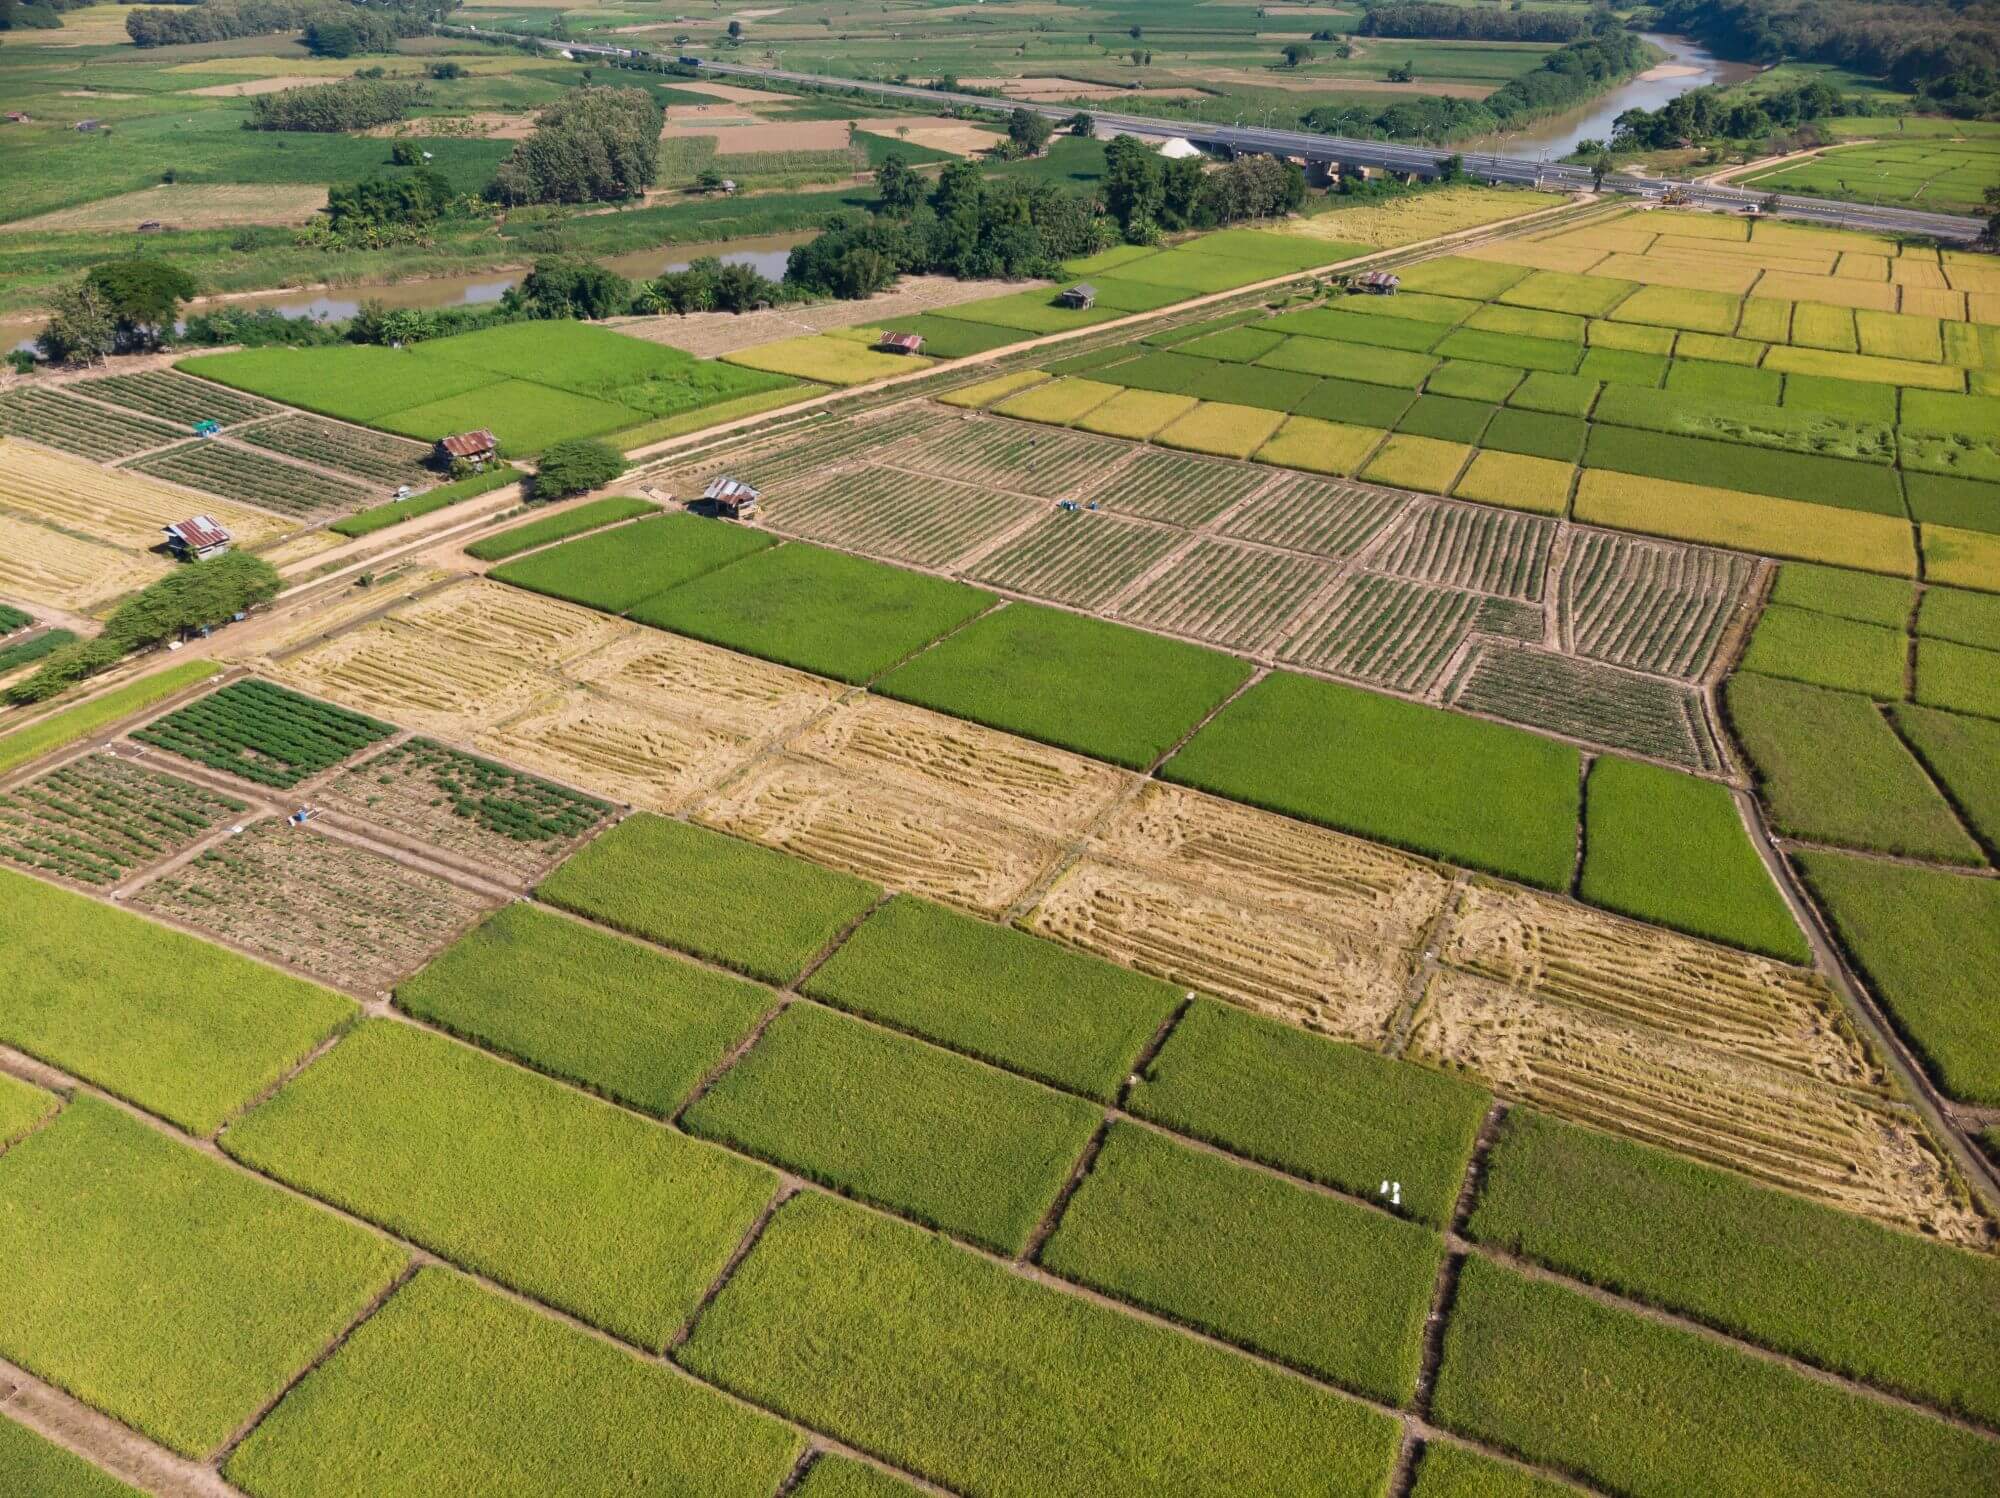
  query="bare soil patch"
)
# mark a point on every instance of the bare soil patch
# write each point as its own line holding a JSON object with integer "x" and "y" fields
{"x": 904, "y": 839}
{"x": 252, "y": 86}
{"x": 481, "y": 125}
{"x": 983, "y": 770}
{"x": 344, "y": 914}
{"x": 743, "y": 140}
{"x": 935, "y": 132}
{"x": 181, "y": 205}
{"x": 1865, "y": 1157}
{"x": 709, "y": 334}
{"x": 1264, "y": 959}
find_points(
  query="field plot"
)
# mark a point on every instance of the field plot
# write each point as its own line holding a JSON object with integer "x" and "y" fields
{"x": 1010, "y": 777}
{"x": 730, "y": 693}
{"x": 1698, "y": 1101}
{"x": 1167, "y": 486}
{"x": 1322, "y": 977}
{"x": 618, "y": 748}
{"x": 1647, "y": 606}
{"x": 263, "y": 733}
{"x": 54, "y": 419}
{"x": 904, "y": 838}
{"x": 373, "y": 456}
{"x": 493, "y": 816}
{"x": 616, "y": 569}
{"x": 594, "y": 515}
{"x": 1750, "y": 1005}
{"x": 1010, "y": 455}
{"x": 1329, "y": 520}
{"x": 40, "y": 1466}
{"x": 1384, "y": 630}
{"x": 43, "y": 566}
{"x": 176, "y": 397}
{"x": 99, "y": 819}
{"x": 429, "y": 682}
{"x": 902, "y": 517}
{"x": 1468, "y": 546}
{"x": 339, "y": 912}
{"x": 238, "y": 473}
{"x": 481, "y": 616}
{"x": 113, "y": 505}
{"x": 1082, "y": 559}
{"x": 1620, "y": 709}
{"x": 1226, "y": 593}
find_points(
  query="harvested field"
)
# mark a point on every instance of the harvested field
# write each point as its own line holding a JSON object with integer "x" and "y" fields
{"x": 1469, "y": 546}
{"x": 1226, "y": 592}
{"x": 1082, "y": 559}
{"x": 1330, "y": 520}
{"x": 618, "y": 748}
{"x": 482, "y": 616}
{"x": 1176, "y": 489}
{"x": 100, "y": 819}
{"x": 240, "y": 474}
{"x": 1618, "y": 709}
{"x": 901, "y": 838}
{"x": 109, "y": 504}
{"x": 1748, "y": 1005}
{"x": 422, "y": 680}
{"x": 496, "y": 818}
{"x": 180, "y": 205}
{"x": 730, "y": 693}
{"x": 1321, "y": 977}
{"x": 341, "y": 913}
{"x": 879, "y": 740}
{"x": 53, "y": 417}
{"x": 1284, "y": 864}
{"x": 1865, "y": 1157}
{"x": 1384, "y": 630}
{"x": 1650, "y": 607}
{"x": 373, "y": 456}
{"x": 903, "y": 517}
{"x": 172, "y": 396}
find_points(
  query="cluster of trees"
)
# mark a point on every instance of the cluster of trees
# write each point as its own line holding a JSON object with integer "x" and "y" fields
{"x": 707, "y": 285}
{"x": 35, "y": 15}
{"x": 1482, "y": 23}
{"x": 359, "y": 26}
{"x": 1566, "y": 77}
{"x": 328, "y": 108}
{"x": 1027, "y": 135}
{"x": 201, "y": 593}
{"x": 1971, "y": 93}
{"x": 1705, "y": 114}
{"x": 350, "y": 29}
{"x": 1911, "y": 42}
{"x": 1148, "y": 194}
{"x": 592, "y": 145}
{"x": 576, "y": 467}
{"x": 386, "y": 210}
{"x": 119, "y": 307}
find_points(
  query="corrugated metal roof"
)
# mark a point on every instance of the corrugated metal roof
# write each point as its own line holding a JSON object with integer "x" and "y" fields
{"x": 198, "y": 533}
{"x": 906, "y": 343}
{"x": 727, "y": 490}
{"x": 469, "y": 444}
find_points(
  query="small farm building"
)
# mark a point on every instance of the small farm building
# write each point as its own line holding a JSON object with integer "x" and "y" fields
{"x": 901, "y": 343}
{"x": 1082, "y": 296}
{"x": 1179, "y": 148}
{"x": 733, "y": 499}
{"x": 193, "y": 539}
{"x": 1375, "y": 282}
{"x": 477, "y": 448}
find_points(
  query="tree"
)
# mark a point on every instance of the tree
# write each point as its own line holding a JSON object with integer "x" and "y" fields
{"x": 735, "y": 30}
{"x": 571, "y": 286}
{"x": 143, "y": 296}
{"x": 1296, "y": 53}
{"x": 332, "y": 38}
{"x": 1989, "y": 237}
{"x": 1134, "y": 186}
{"x": 1028, "y": 132}
{"x": 1081, "y": 124}
{"x": 739, "y": 288}
{"x": 593, "y": 145}
{"x": 1136, "y": 32}
{"x": 1452, "y": 168}
{"x": 80, "y": 329}
{"x": 576, "y": 467}
{"x": 897, "y": 187}
{"x": 1402, "y": 72}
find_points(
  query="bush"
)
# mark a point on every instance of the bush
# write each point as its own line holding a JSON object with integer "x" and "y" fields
{"x": 329, "y": 108}
{"x": 575, "y": 467}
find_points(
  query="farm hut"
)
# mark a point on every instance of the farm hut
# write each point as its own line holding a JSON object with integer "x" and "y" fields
{"x": 1375, "y": 283}
{"x": 196, "y": 538}
{"x": 86, "y": 127}
{"x": 477, "y": 448}
{"x": 16, "y": 117}
{"x": 1082, "y": 296}
{"x": 733, "y": 499}
{"x": 901, "y": 343}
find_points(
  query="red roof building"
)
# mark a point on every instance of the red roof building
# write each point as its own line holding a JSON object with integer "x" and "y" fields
{"x": 196, "y": 537}
{"x": 901, "y": 343}
{"x": 473, "y": 447}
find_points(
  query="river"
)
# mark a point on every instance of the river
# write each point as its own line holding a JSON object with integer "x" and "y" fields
{"x": 1688, "y": 65}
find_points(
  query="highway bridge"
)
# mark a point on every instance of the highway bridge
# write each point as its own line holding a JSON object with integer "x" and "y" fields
{"x": 1309, "y": 146}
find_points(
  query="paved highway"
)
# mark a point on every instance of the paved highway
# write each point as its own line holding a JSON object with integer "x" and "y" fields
{"x": 1371, "y": 153}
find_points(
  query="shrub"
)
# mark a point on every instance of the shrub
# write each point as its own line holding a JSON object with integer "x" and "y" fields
{"x": 576, "y": 467}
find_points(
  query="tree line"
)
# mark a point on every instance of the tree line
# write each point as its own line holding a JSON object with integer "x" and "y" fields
{"x": 357, "y": 26}
{"x": 1912, "y": 43}
{"x": 1711, "y": 113}
{"x": 1418, "y": 18}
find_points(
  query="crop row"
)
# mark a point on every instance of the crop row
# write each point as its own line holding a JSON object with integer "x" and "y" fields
{"x": 1588, "y": 701}
{"x": 77, "y": 426}
{"x": 1493, "y": 551}
{"x": 1222, "y": 591}
{"x": 364, "y": 454}
{"x": 99, "y": 818}
{"x": 1166, "y": 486}
{"x": 1078, "y": 558}
{"x": 499, "y": 799}
{"x": 238, "y": 474}
{"x": 1650, "y": 607}
{"x": 1384, "y": 630}
{"x": 1330, "y": 520}
{"x": 177, "y": 397}
{"x": 263, "y": 733}
{"x": 1011, "y": 455}
{"x": 819, "y": 446}
{"x": 903, "y": 517}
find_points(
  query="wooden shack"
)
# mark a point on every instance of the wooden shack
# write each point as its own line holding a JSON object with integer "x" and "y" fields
{"x": 1082, "y": 296}
{"x": 901, "y": 343}
{"x": 196, "y": 538}
{"x": 731, "y": 498}
{"x": 477, "y": 448}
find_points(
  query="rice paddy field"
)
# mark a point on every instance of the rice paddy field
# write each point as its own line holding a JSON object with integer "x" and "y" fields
{"x": 1082, "y": 951}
